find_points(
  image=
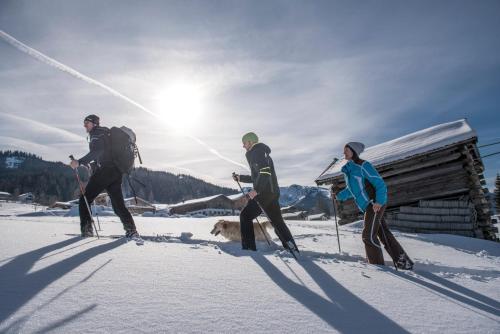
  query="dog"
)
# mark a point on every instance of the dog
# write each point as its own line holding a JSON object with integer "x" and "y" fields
{"x": 231, "y": 230}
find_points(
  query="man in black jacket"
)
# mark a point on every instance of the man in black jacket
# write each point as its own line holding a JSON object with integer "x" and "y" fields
{"x": 106, "y": 176}
{"x": 265, "y": 192}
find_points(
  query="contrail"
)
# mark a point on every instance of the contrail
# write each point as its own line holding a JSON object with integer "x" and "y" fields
{"x": 68, "y": 135}
{"x": 60, "y": 66}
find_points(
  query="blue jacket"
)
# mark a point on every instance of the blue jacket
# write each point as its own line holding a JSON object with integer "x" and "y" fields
{"x": 355, "y": 176}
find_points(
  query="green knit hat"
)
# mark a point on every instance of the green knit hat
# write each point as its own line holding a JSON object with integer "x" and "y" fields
{"x": 250, "y": 136}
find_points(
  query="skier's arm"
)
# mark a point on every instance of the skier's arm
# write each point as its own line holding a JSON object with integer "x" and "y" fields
{"x": 371, "y": 174}
{"x": 96, "y": 149}
{"x": 245, "y": 178}
{"x": 264, "y": 177}
{"x": 344, "y": 195}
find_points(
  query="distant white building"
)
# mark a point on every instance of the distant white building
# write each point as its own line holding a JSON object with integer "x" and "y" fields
{"x": 299, "y": 215}
{"x": 26, "y": 198}
{"x": 5, "y": 196}
{"x": 13, "y": 162}
{"x": 319, "y": 216}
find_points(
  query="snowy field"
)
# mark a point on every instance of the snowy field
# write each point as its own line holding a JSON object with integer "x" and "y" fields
{"x": 52, "y": 281}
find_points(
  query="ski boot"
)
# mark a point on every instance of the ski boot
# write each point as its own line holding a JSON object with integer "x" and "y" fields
{"x": 404, "y": 262}
{"x": 134, "y": 236}
{"x": 87, "y": 232}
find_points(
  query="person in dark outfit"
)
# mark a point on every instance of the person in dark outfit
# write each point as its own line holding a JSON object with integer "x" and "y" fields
{"x": 265, "y": 192}
{"x": 106, "y": 176}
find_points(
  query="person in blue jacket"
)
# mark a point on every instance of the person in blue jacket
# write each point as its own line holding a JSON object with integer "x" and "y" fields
{"x": 365, "y": 185}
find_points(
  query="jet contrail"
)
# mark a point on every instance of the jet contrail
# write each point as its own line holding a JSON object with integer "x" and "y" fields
{"x": 68, "y": 135}
{"x": 60, "y": 66}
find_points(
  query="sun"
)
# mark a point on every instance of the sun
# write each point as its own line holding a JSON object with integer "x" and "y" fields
{"x": 180, "y": 105}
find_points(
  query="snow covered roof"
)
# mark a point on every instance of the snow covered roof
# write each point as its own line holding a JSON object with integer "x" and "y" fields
{"x": 415, "y": 143}
{"x": 235, "y": 196}
{"x": 196, "y": 200}
{"x": 316, "y": 216}
{"x": 3, "y": 193}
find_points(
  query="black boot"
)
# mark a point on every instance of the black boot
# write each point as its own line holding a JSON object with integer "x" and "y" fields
{"x": 404, "y": 262}
{"x": 87, "y": 231}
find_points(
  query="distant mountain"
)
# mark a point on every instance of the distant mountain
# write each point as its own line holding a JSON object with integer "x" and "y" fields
{"x": 22, "y": 172}
{"x": 303, "y": 198}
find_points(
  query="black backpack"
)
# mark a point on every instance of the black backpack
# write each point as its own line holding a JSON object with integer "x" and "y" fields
{"x": 123, "y": 148}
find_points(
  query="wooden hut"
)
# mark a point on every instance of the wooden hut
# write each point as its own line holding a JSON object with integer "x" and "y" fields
{"x": 435, "y": 182}
{"x": 212, "y": 205}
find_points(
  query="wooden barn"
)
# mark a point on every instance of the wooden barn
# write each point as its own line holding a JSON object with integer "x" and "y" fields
{"x": 435, "y": 182}
{"x": 219, "y": 203}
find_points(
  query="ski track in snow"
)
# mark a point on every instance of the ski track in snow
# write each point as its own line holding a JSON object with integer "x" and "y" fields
{"x": 183, "y": 279}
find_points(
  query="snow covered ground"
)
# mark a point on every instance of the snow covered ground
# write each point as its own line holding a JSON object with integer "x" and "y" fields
{"x": 53, "y": 281}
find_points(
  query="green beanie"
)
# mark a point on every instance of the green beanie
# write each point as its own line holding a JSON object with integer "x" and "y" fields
{"x": 250, "y": 136}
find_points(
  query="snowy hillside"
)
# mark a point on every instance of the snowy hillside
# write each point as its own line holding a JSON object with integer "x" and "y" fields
{"x": 304, "y": 198}
{"x": 186, "y": 280}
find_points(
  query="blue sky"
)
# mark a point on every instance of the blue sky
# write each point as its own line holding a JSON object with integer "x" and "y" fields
{"x": 307, "y": 76}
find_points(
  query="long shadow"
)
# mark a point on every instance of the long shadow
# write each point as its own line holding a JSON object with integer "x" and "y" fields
{"x": 16, "y": 326}
{"x": 474, "y": 299}
{"x": 19, "y": 286}
{"x": 344, "y": 312}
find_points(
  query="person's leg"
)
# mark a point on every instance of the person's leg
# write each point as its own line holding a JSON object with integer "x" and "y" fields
{"x": 247, "y": 215}
{"x": 118, "y": 203}
{"x": 393, "y": 247}
{"x": 95, "y": 186}
{"x": 372, "y": 245}
{"x": 273, "y": 211}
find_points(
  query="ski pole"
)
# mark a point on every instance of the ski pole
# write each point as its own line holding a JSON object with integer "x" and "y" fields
{"x": 327, "y": 168}
{"x": 85, "y": 198}
{"x": 97, "y": 216}
{"x": 246, "y": 195}
{"x": 93, "y": 204}
{"x": 335, "y": 215}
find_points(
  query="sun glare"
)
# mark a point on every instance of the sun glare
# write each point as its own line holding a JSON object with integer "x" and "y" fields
{"x": 180, "y": 105}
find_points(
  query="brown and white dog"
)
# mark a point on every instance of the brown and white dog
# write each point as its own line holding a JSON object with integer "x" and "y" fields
{"x": 231, "y": 230}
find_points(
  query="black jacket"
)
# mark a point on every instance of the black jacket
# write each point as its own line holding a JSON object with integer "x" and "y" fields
{"x": 99, "y": 145}
{"x": 263, "y": 175}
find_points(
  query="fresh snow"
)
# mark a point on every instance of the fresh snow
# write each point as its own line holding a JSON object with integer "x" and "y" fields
{"x": 415, "y": 143}
{"x": 185, "y": 280}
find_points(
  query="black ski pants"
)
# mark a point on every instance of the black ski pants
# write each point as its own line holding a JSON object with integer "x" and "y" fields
{"x": 252, "y": 211}
{"x": 107, "y": 178}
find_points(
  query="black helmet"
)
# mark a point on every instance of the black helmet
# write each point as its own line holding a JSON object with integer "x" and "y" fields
{"x": 92, "y": 118}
